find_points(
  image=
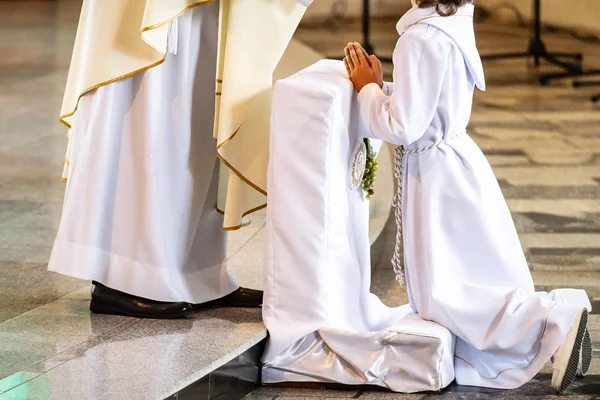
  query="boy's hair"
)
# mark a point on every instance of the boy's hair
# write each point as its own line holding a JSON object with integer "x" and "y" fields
{"x": 443, "y": 7}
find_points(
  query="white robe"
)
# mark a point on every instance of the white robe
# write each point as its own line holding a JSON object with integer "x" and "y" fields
{"x": 324, "y": 323}
{"x": 140, "y": 210}
{"x": 465, "y": 267}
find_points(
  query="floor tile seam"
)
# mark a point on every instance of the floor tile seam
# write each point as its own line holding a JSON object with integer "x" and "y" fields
{"x": 59, "y": 353}
{"x": 260, "y": 228}
{"x": 194, "y": 377}
{"x": 65, "y": 351}
{"x": 57, "y": 334}
{"x": 22, "y": 383}
{"x": 88, "y": 283}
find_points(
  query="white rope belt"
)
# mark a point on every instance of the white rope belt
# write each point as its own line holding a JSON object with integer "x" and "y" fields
{"x": 400, "y": 153}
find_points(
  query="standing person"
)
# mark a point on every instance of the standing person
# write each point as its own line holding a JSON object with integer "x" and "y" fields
{"x": 140, "y": 216}
{"x": 465, "y": 267}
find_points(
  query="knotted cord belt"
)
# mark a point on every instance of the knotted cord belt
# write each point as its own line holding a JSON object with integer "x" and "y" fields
{"x": 400, "y": 153}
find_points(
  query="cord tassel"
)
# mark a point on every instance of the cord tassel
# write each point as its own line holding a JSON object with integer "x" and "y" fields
{"x": 400, "y": 154}
{"x": 397, "y": 204}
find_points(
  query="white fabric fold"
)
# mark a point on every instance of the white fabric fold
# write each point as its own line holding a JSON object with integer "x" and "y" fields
{"x": 458, "y": 27}
{"x": 117, "y": 39}
{"x": 412, "y": 356}
{"x": 464, "y": 264}
{"x": 139, "y": 213}
{"x": 324, "y": 323}
{"x": 172, "y": 37}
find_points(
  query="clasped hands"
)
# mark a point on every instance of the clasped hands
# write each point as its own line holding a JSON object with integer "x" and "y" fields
{"x": 362, "y": 68}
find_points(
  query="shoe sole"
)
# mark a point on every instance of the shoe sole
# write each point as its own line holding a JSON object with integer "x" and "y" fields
{"x": 105, "y": 309}
{"x": 586, "y": 355}
{"x": 573, "y": 363}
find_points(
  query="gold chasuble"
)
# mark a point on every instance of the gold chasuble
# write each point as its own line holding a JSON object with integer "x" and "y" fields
{"x": 119, "y": 38}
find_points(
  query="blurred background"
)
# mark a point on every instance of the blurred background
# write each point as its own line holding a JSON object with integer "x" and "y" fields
{"x": 575, "y": 14}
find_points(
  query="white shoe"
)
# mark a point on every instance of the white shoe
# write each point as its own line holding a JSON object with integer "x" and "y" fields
{"x": 585, "y": 357}
{"x": 566, "y": 358}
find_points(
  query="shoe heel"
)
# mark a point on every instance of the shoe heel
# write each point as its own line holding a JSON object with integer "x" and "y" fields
{"x": 573, "y": 365}
{"x": 586, "y": 353}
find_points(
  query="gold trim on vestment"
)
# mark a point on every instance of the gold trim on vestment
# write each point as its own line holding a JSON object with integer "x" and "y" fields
{"x": 108, "y": 82}
{"x": 162, "y": 55}
{"x": 238, "y": 173}
{"x": 137, "y": 71}
{"x": 229, "y": 139}
{"x": 235, "y": 228}
{"x": 241, "y": 176}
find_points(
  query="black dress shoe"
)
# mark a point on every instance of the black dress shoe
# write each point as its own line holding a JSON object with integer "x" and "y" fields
{"x": 110, "y": 301}
{"x": 243, "y": 297}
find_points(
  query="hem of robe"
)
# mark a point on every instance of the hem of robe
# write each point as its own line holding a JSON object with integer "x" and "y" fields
{"x": 558, "y": 323}
{"x": 242, "y": 118}
{"x": 234, "y": 219}
{"x": 160, "y": 56}
{"x": 123, "y": 274}
{"x": 386, "y": 358}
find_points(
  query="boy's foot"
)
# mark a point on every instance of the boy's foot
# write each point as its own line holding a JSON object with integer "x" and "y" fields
{"x": 585, "y": 357}
{"x": 566, "y": 358}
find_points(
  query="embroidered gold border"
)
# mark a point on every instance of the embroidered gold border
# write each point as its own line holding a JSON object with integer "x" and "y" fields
{"x": 137, "y": 71}
{"x": 235, "y": 228}
{"x": 63, "y": 117}
{"x": 238, "y": 173}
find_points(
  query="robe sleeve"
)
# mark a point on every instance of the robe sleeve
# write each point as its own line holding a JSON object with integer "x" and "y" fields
{"x": 402, "y": 117}
{"x": 388, "y": 88}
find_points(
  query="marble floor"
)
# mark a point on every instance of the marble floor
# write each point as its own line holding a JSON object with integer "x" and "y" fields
{"x": 543, "y": 142}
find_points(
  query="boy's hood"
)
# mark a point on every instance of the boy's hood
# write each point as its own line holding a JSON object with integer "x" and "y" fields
{"x": 458, "y": 27}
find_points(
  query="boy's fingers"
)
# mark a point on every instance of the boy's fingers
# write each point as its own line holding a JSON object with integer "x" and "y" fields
{"x": 354, "y": 57}
{"x": 376, "y": 61}
{"x": 348, "y": 58}
{"x": 373, "y": 61}
{"x": 367, "y": 56}
{"x": 347, "y": 67}
{"x": 361, "y": 57}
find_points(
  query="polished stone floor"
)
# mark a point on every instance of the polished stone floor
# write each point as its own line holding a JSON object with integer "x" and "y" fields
{"x": 543, "y": 142}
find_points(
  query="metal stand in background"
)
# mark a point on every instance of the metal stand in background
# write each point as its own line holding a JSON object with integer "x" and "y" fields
{"x": 366, "y": 28}
{"x": 537, "y": 50}
{"x": 578, "y": 84}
